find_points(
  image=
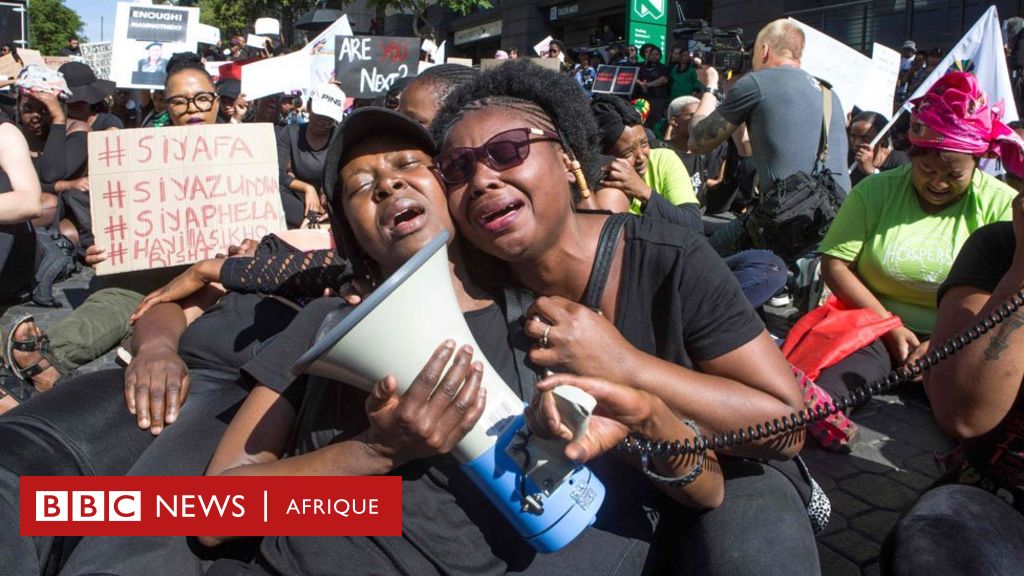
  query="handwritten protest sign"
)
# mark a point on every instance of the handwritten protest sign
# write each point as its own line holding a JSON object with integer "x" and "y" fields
{"x": 169, "y": 196}
{"x": 879, "y": 89}
{"x": 615, "y": 80}
{"x": 56, "y": 62}
{"x": 145, "y": 37}
{"x": 97, "y": 56}
{"x": 368, "y": 65}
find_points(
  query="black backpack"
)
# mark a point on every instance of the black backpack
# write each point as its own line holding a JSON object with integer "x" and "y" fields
{"x": 793, "y": 215}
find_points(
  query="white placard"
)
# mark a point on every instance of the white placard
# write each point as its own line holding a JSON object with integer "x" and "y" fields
{"x": 879, "y": 88}
{"x": 836, "y": 63}
{"x": 541, "y": 48}
{"x": 207, "y": 34}
{"x": 462, "y": 61}
{"x": 145, "y": 37}
{"x": 256, "y": 41}
{"x": 267, "y": 26}
{"x": 300, "y": 70}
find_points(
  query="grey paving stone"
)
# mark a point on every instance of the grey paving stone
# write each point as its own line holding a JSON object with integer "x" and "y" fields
{"x": 846, "y": 505}
{"x": 875, "y": 524}
{"x": 870, "y": 459}
{"x": 924, "y": 463}
{"x": 836, "y": 523}
{"x": 872, "y": 570}
{"x": 833, "y": 564}
{"x": 878, "y": 491}
{"x": 852, "y": 546}
{"x": 912, "y": 479}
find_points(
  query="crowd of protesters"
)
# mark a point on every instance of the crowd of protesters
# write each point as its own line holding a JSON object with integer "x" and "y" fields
{"x": 582, "y": 254}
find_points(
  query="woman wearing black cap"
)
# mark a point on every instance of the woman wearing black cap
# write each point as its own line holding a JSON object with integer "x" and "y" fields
{"x": 87, "y": 97}
{"x": 386, "y": 203}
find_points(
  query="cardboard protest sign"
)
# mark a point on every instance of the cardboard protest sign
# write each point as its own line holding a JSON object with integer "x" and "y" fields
{"x": 175, "y": 195}
{"x": 31, "y": 57}
{"x": 836, "y": 63}
{"x": 267, "y": 26}
{"x": 368, "y": 65}
{"x": 97, "y": 56}
{"x": 145, "y": 37}
{"x": 463, "y": 61}
{"x": 615, "y": 80}
{"x": 56, "y": 62}
{"x": 9, "y": 67}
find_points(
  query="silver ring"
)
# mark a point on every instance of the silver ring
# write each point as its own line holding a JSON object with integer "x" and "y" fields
{"x": 544, "y": 337}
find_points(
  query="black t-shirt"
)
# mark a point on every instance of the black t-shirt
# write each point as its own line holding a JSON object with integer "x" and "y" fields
{"x": 230, "y": 332}
{"x": 106, "y": 121}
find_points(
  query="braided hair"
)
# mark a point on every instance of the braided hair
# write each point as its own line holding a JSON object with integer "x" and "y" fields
{"x": 445, "y": 78}
{"x": 553, "y": 100}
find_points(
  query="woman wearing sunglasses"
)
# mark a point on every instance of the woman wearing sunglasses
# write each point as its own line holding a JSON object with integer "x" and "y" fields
{"x": 671, "y": 320}
{"x": 386, "y": 203}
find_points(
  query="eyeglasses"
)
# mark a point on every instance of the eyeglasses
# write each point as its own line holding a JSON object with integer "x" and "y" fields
{"x": 505, "y": 150}
{"x": 203, "y": 101}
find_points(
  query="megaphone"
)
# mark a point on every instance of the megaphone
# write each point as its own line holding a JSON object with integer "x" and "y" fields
{"x": 549, "y": 499}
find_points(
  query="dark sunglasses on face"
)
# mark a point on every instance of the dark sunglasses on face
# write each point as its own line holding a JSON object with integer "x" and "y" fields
{"x": 503, "y": 151}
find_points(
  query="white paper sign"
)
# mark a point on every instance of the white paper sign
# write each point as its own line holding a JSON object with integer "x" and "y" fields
{"x": 300, "y": 70}
{"x": 462, "y": 61}
{"x": 836, "y": 63}
{"x": 255, "y": 41}
{"x": 541, "y": 48}
{"x": 879, "y": 88}
{"x": 145, "y": 37}
{"x": 268, "y": 26}
{"x": 329, "y": 100}
{"x": 213, "y": 68}
{"x": 207, "y": 34}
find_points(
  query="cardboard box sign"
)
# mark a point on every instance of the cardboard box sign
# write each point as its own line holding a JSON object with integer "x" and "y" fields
{"x": 618, "y": 80}
{"x": 169, "y": 196}
{"x": 367, "y": 66}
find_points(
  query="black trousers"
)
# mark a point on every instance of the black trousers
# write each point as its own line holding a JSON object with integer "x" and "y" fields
{"x": 862, "y": 367}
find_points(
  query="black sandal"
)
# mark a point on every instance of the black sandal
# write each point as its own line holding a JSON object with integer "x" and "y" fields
{"x": 15, "y": 387}
{"x": 39, "y": 344}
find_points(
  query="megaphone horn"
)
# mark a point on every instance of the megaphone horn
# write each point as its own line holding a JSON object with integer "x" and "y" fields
{"x": 395, "y": 330}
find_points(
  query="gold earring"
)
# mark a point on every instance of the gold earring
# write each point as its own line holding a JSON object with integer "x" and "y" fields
{"x": 581, "y": 181}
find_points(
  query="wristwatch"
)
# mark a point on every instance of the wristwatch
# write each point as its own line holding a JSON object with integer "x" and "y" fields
{"x": 713, "y": 91}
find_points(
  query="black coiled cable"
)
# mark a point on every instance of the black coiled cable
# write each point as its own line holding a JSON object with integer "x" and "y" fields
{"x": 858, "y": 396}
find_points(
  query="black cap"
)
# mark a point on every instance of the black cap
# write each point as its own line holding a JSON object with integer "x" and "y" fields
{"x": 83, "y": 83}
{"x": 368, "y": 122}
{"x": 229, "y": 88}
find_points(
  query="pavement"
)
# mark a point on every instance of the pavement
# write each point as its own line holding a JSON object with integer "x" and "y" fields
{"x": 888, "y": 469}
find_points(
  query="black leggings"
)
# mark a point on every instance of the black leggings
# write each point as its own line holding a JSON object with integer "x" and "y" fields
{"x": 761, "y": 528}
{"x": 80, "y": 428}
{"x": 862, "y": 367}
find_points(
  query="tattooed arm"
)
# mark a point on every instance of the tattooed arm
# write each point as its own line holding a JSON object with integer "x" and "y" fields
{"x": 708, "y": 128}
{"x": 972, "y": 391}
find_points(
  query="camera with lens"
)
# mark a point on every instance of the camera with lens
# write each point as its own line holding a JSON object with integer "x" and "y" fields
{"x": 717, "y": 47}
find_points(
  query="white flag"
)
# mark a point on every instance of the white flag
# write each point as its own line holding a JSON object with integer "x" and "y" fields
{"x": 979, "y": 52}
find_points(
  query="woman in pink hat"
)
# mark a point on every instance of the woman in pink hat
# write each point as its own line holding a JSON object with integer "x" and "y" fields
{"x": 896, "y": 236}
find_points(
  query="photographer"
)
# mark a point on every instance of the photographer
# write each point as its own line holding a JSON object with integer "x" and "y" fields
{"x": 775, "y": 101}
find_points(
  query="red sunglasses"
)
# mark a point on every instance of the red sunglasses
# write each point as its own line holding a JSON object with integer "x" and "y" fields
{"x": 504, "y": 150}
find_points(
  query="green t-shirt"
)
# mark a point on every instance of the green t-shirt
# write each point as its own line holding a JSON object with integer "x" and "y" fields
{"x": 666, "y": 175}
{"x": 903, "y": 254}
{"x": 684, "y": 83}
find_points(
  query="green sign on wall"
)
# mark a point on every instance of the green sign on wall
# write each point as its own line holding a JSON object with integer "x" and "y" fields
{"x": 647, "y": 22}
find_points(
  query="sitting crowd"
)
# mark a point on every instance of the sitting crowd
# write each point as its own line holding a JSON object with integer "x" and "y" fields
{"x": 580, "y": 255}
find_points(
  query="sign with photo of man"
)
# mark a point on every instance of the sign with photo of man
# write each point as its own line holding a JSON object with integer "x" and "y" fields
{"x": 145, "y": 38}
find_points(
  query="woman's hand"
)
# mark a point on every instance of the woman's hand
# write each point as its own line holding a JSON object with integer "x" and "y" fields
{"x": 192, "y": 280}
{"x": 621, "y": 174}
{"x": 52, "y": 103}
{"x": 426, "y": 422}
{"x": 312, "y": 199}
{"x": 155, "y": 386}
{"x": 915, "y": 355}
{"x": 619, "y": 411}
{"x": 76, "y": 184}
{"x": 865, "y": 159}
{"x": 94, "y": 255}
{"x": 900, "y": 342}
{"x": 578, "y": 340}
